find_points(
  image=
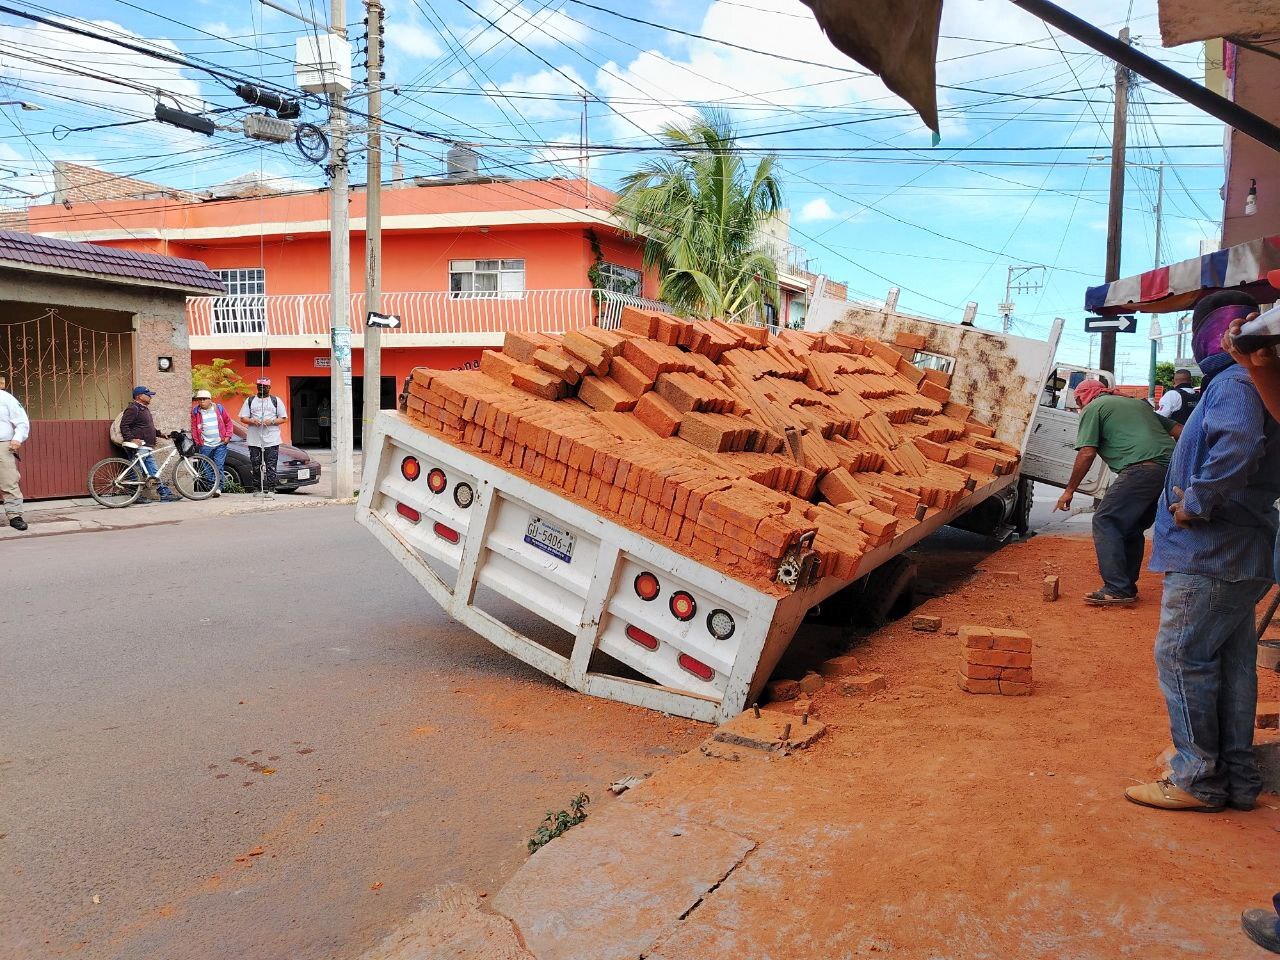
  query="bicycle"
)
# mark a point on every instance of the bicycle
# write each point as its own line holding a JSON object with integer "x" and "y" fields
{"x": 117, "y": 482}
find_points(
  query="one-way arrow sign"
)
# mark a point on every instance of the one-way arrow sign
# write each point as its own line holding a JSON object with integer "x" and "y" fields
{"x": 1124, "y": 324}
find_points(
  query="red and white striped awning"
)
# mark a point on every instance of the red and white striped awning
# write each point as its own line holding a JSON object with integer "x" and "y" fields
{"x": 1178, "y": 286}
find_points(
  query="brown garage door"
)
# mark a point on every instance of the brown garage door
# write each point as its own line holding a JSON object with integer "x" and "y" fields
{"x": 57, "y": 457}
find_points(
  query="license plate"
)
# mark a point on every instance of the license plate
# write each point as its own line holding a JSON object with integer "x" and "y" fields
{"x": 304, "y": 474}
{"x": 549, "y": 538}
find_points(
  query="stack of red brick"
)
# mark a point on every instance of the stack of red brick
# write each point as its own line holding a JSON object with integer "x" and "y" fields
{"x": 719, "y": 438}
{"x": 995, "y": 661}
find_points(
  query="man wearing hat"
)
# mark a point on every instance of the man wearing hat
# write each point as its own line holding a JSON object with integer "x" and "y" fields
{"x": 1135, "y": 443}
{"x": 1215, "y": 533}
{"x": 211, "y": 428}
{"x": 138, "y": 428}
{"x": 262, "y": 415}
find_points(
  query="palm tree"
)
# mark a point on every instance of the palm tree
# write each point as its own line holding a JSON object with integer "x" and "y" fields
{"x": 700, "y": 212}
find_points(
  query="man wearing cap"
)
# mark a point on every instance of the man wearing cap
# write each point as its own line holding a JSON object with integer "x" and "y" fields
{"x": 1135, "y": 443}
{"x": 138, "y": 427}
{"x": 262, "y": 416}
{"x": 14, "y": 428}
{"x": 1215, "y": 533}
{"x": 211, "y": 428}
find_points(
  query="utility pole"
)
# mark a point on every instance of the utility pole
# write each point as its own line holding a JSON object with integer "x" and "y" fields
{"x": 1159, "y": 209}
{"x": 373, "y": 230}
{"x": 1115, "y": 207}
{"x": 340, "y": 418}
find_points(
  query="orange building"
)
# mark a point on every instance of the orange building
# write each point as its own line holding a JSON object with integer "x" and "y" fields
{"x": 462, "y": 263}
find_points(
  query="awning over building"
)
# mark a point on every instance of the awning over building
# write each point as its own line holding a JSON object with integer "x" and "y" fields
{"x": 1178, "y": 286}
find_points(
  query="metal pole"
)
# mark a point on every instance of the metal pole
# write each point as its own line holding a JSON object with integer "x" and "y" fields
{"x": 1115, "y": 203}
{"x": 1250, "y": 124}
{"x": 340, "y": 421}
{"x": 373, "y": 232}
{"x": 1159, "y": 207}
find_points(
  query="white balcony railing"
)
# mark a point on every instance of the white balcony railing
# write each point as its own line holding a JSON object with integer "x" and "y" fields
{"x": 421, "y": 313}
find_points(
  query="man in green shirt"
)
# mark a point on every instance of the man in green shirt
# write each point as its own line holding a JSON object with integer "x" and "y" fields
{"x": 1135, "y": 443}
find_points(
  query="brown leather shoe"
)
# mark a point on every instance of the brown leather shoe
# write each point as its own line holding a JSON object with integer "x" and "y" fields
{"x": 1167, "y": 795}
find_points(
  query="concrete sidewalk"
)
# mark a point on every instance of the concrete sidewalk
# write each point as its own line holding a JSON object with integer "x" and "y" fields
{"x": 51, "y": 517}
{"x": 924, "y": 823}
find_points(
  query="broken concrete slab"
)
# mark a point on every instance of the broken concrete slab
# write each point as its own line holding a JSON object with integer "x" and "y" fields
{"x": 1268, "y": 716}
{"x": 452, "y": 923}
{"x": 770, "y": 731}
{"x": 619, "y": 882}
{"x": 863, "y": 683}
{"x": 925, "y": 623}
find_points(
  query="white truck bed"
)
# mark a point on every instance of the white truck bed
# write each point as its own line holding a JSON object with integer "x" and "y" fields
{"x": 516, "y": 541}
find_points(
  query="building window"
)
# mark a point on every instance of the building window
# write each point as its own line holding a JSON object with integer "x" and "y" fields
{"x": 486, "y": 279}
{"x": 619, "y": 279}
{"x": 244, "y": 308}
{"x": 933, "y": 361}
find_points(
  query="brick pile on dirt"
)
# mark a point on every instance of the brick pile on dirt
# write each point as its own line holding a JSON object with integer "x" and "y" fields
{"x": 995, "y": 661}
{"x": 719, "y": 439}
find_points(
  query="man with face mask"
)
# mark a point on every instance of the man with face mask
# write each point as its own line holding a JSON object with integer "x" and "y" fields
{"x": 1215, "y": 531}
{"x": 262, "y": 415}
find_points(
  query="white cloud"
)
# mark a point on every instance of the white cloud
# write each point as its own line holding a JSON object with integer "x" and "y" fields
{"x": 414, "y": 40}
{"x": 816, "y": 210}
{"x": 536, "y": 28}
{"x": 566, "y": 82}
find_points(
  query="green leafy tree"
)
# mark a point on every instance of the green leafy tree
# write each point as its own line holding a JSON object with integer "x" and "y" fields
{"x": 220, "y": 379}
{"x": 700, "y": 212}
{"x": 1164, "y": 374}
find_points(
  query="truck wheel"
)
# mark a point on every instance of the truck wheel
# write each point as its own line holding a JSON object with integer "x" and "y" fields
{"x": 1026, "y": 499}
{"x": 883, "y": 595}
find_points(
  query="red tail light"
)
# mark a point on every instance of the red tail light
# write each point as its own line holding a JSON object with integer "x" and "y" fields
{"x": 408, "y": 512}
{"x": 447, "y": 533}
{"x": 437, "y": 481}
{"x": 683, "y": 606}
{"x": 696, "y": 667}
{"x": 410, "y": 468}
{"x": 646, "y": 640}
{"x": 647, "y": 586}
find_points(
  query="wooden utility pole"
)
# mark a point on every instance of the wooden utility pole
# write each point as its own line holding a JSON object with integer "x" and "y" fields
{"x": 373, "y": 230}
{"x": 340, "y": 416}
{"x": 1115, "y": 204}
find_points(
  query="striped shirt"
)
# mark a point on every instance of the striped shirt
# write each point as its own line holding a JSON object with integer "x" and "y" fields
{"x": 1227, "y": 462}
{"x": 210, "y": 435}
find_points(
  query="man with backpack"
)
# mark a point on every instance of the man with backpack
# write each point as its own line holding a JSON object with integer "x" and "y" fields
{"x": 211, "y": 428}
{"x": 262, "y": 415}
{"x": 1178, "y": 401}
{"x": 138, "y": 429}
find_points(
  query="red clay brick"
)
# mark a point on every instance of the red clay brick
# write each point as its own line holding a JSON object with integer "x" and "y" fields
{"x": 658, "y": 415}
{"x": 1012, "y": 640}
{"x": 979, "y": 686}
{"x": 1009, "y": 689}
{"x": 999, "y": 658}
{"x": 976, "y": 637}
{"x": 976, "y": 671}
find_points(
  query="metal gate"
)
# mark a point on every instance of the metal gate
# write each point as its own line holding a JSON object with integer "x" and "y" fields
{"x": 73, "y": 380}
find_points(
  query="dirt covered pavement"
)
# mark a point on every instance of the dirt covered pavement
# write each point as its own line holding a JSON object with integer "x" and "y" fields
{"x": 926, "y": 822}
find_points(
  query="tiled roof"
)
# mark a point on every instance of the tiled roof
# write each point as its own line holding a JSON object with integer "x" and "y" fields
{"x": 106, "y": 262}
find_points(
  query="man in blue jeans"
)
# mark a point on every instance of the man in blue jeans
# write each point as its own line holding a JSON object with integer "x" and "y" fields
{"x": 1215, "y": 532}
{"x": 1135, "y": 443}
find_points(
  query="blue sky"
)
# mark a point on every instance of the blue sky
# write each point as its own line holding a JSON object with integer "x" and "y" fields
{"x": 943, "y": 224}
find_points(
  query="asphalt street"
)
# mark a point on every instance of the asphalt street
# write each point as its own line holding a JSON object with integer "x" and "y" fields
{"x": 255, "y": 737}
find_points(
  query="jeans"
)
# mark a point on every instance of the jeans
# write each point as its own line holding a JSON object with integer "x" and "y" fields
{"x": 149, "y": 465}
{"x": 1126, "y": 513}
{"x": 1206, "y": 661}
{"x": 218, "y": 454}
{"x": 260, "y": 456}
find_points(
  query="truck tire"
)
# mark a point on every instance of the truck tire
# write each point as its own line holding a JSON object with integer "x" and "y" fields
{"x": 1022, "y": 513}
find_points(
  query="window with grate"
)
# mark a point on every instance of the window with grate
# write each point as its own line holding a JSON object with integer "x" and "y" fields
{"x": 620, "y": 279}
{"x": 486, "y": 279}
{"x": 933, "y": 361}
{"x": 244, "y": 308}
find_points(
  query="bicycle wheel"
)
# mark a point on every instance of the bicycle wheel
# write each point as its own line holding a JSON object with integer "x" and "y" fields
{"x": 113, "y": 482}
{"x": 196, "y": 477}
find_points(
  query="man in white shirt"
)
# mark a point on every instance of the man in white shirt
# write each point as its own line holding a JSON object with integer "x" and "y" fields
{"x": 1178, "y": 401}
{"x": 262, "y": 416}
{"x": 14, "y": 429}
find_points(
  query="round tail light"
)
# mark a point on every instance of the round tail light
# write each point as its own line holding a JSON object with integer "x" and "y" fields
{"x": 410, "y": 468}
{"x": 683, "y": 606}
{"x": 720, "y": 624}
{"x": 647, "y": 586}
{"x": 437, "y": 481}
{"x": 463, "y": 495}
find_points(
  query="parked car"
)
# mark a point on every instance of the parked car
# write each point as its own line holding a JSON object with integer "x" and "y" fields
{"x": 294, "y": 469}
